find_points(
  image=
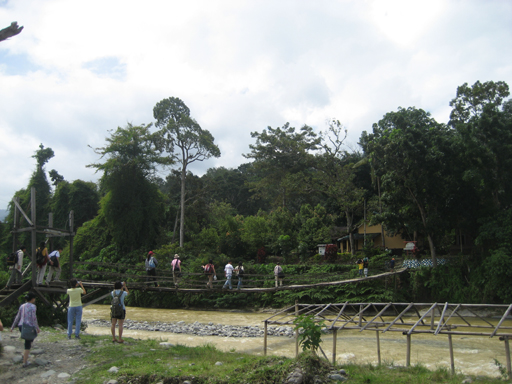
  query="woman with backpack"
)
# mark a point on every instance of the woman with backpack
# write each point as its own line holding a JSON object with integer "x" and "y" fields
{"x": 26, "y": 321}
{"x": 150, "y": 265}
{"x": 42, "y": 260}
{"x": 239, "y": 274}
{"x": 279, "y": 274}
{"x": 118, "y": 309}
{"x": 209, "y": 270}
{"x": 75, "y": 308}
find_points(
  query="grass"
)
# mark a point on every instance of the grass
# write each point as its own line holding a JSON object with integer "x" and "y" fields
{"x": 148, "y": 362}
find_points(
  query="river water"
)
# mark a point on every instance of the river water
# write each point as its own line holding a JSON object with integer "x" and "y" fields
{"x": 473, "y": 354}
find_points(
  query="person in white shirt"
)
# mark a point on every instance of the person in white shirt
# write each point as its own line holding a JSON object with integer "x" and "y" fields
{"x": 54, "y": 265}
{"x": 228, "y": 270}
{"x": 16, "y": 268}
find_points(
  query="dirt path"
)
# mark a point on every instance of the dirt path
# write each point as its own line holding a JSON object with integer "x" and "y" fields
{"x": 54, "y": 359}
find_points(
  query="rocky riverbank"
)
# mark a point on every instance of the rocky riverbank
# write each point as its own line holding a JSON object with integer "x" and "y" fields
{"x": 199, "y": 329}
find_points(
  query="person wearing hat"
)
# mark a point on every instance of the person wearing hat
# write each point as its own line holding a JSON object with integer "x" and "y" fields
{"x": 392, "y": 264}
{"x": 176, "y": 269}
{"x": 150, "y": 265}
{"x": 26, "y": 318}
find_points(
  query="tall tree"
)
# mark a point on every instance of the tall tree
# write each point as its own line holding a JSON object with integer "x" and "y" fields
{"x": 132, "y": 206}
{"x": 414, "y": 154}
{"x": 283, "y": 160}
{"x": 184, "y": 140}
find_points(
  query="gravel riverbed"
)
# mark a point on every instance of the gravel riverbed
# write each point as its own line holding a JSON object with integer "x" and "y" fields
{"x": 199, "y": 329}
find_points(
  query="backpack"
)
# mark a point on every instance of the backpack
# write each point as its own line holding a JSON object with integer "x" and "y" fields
{"x": 40, "y": 259}
{"x": 208, "y": 269}
{"x": 152, "y": 263}
{"x": 240, "y": 272}
{"x": 12, "y": 259}
{"x": 116, "y": 308}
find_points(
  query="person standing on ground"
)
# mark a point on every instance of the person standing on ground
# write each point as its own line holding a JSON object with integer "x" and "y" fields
{"x": 209, "y": 270}
{"x": 16, "y": 268}
{"x": 365, "y": 266}
{"x": 176, "y": 269}
{"x": 228, "y": 270}
{"x": 150, "y": 265}
{"x": 26, "y": 317}
{"x": 359, "y": 263}
{"x": 75, "y": 307}
{"x": 279, "y": 274}
{"x": 42, "y": 260}
{"x": 120, "y": 292}
{"x": 239, "y": 274}
{"x": 54, "y": 266}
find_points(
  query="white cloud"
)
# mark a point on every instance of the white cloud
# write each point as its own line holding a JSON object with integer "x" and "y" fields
{"x": 80, "y": 68}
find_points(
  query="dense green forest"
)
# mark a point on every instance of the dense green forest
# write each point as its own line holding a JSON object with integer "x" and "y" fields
{"x": 428, "y": 181}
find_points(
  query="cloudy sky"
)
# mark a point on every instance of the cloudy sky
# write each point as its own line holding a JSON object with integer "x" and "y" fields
{"x": 80, "y": 68}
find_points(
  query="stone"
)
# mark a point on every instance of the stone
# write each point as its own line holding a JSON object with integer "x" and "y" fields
{"x": 111, "y": 382}
{"x": 296, "y": 377}
{"x": 9, "y": 349}
{"x": 40, "y": 362}
{"x": 218, "y": 363}
{"x": 113, "y": 370}
{"x": 342, "y": 372}
{"x": 17, "y": 359}
{"x": 467, "y": 380}
{"x": 337, "y": 377}
{"x": 49, "y": 373}
{"x": 167, "y": 345}
{"x": 37, "y": 351}
{"x": 63, "y": 375}
{"x": 187, "y": 382}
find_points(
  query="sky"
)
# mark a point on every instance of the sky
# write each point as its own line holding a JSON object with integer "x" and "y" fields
{"x": 81, "y": 68}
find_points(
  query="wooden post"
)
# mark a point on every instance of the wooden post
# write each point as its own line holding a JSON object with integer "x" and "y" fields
{"x": 432, "y": 316}
{"x": 360, "y": 315}
{"x": 507, "y": 352}
{"x": 265, "y": 340}
{"x": 71, "y": 227}
{"x": 334, "y": 336}
{"x": 33, "y": 235}
{"x": 16, "y": 226}
{"x": 450, "y": 345}
{"x": 296, "y": 331}
{"x": 408, "y": 357}
{"x": 378, "y": 345}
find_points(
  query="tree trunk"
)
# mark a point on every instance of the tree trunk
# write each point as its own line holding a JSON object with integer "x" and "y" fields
{"x": 350, "y": 234}
{"x": 430, "y": 240}
{"x": 175, "y": 226}
{"x": 432, "y": 251}
{"x": 182, "y": 203}
{"x": 380, "y": 211}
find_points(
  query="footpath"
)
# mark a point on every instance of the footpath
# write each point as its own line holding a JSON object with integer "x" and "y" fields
{"x": 54, "y": 359}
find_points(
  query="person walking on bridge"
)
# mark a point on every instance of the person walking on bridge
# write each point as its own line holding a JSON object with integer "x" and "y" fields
{"x": 150, "y": 265}
{"x": 279, "y": 274}
{"x": 209, "y": 270}
{"x": 176, "y": 269}
{"x": 16, "y": 268}
{"x": 239, "y": 274}
{"x": 42, "y": 260}
{"x": 228, "y": 270}
{"x": 54, "y": 266}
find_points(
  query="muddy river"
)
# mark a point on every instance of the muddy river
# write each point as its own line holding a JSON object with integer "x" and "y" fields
{"x": 474, "y": 355}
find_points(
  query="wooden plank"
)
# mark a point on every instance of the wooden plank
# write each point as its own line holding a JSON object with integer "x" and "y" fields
{"x": 421, "y": 318}
{"x": 398, "y": 317}
{"x": 502, "y": 320}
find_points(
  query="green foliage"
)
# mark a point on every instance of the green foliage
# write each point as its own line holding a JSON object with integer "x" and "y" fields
{"x": 311, "y": 335}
